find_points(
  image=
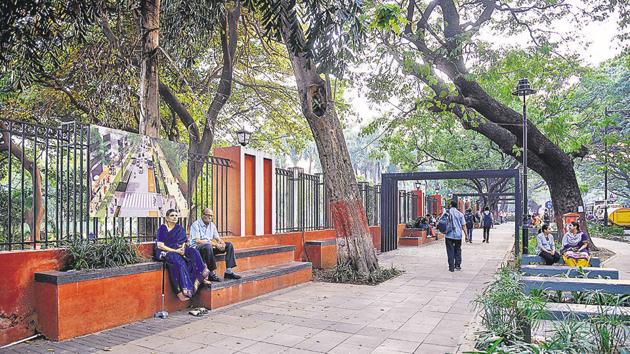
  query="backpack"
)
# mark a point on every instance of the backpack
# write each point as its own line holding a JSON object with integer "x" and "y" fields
{"x": 445, "y": 223}
{"x": 470, "y": 219}
{"x": 487, "y": 220}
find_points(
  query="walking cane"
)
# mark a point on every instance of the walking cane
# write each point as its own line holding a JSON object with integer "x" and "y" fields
{"x": 163, "y": 313}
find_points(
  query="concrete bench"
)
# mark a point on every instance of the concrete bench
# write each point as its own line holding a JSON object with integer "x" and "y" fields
{"x": 562, "y": 312}
{"x": 74, "y": 303}
{"x": 529, "y": 259}
{"x": 322, "y": 253}
{"x": 555, "y": 311}
{"x": 571, "y": 272}
{"x": 611, "y": 286}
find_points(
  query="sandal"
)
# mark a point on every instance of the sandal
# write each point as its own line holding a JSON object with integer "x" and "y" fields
{"x": 198, "y": 311}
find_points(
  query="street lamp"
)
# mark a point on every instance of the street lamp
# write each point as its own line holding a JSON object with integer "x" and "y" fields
{"x": 243, "y": 136}
{"x": 524, "y": 89}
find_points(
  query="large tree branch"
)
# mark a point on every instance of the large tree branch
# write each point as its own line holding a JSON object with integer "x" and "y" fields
{"x": 173, "y": 103}
{"x": 229, "y": 41}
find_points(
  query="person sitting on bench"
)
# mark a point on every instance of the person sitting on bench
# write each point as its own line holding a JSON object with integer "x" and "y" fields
{"x": 185, "y": 266}
{"x": 204, "y": 236}
{"x": 575, "y": 247}
{"x": 546, "y": 246}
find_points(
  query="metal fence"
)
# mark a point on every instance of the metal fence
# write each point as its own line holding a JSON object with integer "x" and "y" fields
{"x": 371, "y": 197}
{"x": 407, "y": 206}
{"x": 211, "y": 190}
{"x": 302, "y": 202}
{"x": 45, "y": 179}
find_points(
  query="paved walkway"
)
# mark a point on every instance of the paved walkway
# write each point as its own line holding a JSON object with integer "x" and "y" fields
{"x": 621, "y": 259}
{"x": 425, "y": 310}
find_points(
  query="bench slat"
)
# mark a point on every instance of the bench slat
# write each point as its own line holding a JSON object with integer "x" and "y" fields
{"x": 590, "y": 272}
{"x": 529, "y": 259}
{"x": 563, "y": 312}
{"x": 611, "y": 286}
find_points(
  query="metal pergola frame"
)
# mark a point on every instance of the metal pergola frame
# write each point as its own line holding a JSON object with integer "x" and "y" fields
{"x": 389, "y": 202}
{"x": 503, "y": 197}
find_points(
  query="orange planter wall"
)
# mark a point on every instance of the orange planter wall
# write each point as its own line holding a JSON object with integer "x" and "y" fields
{"x": 106, "y": 303}
{"x": 17, "y": 293}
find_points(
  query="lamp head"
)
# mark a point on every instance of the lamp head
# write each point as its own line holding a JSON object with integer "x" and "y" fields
{"x": 523, "y": 88}
{"x": 243, "y": 136}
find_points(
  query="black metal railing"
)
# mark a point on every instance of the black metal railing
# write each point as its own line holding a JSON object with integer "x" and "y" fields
{"x": 371, "y": 198}
{"x": 211, "y": 190}
{"x": 302, "y": 202}
{"x": 407, "y": 206}
{"x": 48, "y": 177}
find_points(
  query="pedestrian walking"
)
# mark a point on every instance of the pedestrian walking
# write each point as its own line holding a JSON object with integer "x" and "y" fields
{"x": 470, "y": 223}
{"x": 486, "y": 222}
{"x": 453, "y": 225}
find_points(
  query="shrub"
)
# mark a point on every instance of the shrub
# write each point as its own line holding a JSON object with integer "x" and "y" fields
{"x": 91, "y": 254}
{"x": 570, "y": 336}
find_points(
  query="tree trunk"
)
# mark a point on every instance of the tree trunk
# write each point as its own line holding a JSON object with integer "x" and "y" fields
{"x": 354, "y": 241}
{"x": 149, "y": 97}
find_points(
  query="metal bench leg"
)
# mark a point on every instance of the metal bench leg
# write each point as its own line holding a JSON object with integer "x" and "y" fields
{"x": 526, "y": 328}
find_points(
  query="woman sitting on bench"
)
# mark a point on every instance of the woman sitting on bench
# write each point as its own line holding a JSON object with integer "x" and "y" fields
{"x": 575, "y": 247}
{"x": 185, "y": 266}
{"x": 546, "y": 246}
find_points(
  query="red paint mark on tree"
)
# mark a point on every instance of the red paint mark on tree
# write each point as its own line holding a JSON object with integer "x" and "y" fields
{"x": 346, "y": 216}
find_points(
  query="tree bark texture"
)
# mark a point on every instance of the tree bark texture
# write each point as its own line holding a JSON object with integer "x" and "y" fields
{"x": 149, "y": 97}
{"x": 354, "y": 241}
{"x": 498, "y": 122}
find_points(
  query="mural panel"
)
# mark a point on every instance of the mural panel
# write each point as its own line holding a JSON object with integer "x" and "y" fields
{"x": 136, "y": 176}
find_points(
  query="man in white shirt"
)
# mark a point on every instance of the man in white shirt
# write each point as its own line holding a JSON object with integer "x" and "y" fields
{"x": 204, "y": 236}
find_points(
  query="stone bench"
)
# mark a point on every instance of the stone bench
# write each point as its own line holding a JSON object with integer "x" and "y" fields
{"x": 529, "y": 259}
{"x": 559, "y": 311}
{"x": 562, "y": 312}
{"x": 75, "y": 303}
{"x": 322, "y": 253}
{"x": 571, "y": 272}
{"x": 611, "y": 286}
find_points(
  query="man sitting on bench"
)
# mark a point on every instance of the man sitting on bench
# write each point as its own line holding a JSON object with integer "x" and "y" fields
{"x": 204, "y": 236}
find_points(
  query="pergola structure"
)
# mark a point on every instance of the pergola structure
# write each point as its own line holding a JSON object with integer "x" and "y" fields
{"x": 389, "y": 202}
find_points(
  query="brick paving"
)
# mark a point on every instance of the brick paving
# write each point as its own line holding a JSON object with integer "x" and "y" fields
{"x": 425, "y": 310}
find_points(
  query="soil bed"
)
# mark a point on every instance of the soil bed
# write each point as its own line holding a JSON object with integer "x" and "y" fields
{"x": 345, "y": 275}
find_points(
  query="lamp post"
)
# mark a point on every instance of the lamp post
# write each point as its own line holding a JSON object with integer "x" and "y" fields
{"x": 524, "y": 89}
{"x": 243, "y": 136}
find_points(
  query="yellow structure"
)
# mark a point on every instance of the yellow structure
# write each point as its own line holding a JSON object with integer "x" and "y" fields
{"x": 619, "y": 216}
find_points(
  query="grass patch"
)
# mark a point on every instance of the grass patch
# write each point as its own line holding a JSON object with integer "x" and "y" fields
{"x": 347, "y": 275}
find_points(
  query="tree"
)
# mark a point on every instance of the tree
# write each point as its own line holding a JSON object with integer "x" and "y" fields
{"x": 437, "y": 44}
{"x": 315, "y": 54}
{"x": 149, "y": 97}
{"x": 605, "y": 87}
